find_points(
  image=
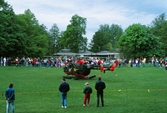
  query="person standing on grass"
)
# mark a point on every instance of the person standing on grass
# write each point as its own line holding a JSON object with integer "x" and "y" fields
{"x": 87, "y": 91}
{"x": 100, "y": 86}
{"x": 17, "y": 61}
{"x": 10, "y": 97}
{"x": 64, "y": 88}
{"x": 4, "y": 61}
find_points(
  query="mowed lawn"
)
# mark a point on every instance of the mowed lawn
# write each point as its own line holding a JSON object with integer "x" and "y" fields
{"x": 128, "y": 90}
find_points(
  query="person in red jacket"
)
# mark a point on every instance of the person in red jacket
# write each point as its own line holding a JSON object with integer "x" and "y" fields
{"x": 80, "y": 61}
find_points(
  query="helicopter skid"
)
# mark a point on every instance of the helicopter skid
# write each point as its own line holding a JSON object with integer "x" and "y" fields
{"x": 68, "y": 77}
{"x": 78, "y": 77}
{"x": 92, "y": 77}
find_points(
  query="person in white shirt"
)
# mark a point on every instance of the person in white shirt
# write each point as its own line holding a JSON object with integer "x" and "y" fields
{"x": 4, "y": 61}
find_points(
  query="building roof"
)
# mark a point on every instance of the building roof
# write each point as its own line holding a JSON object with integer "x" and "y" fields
{"x": 68, "y": 53}
{"x": 65, "y": 53}
{"x": 86, "y": 53}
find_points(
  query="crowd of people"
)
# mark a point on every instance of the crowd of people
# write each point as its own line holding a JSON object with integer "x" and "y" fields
{"x": 61, "y": 61}
{"x": 34, "y": 62}
{"x": 151, "y": 62}
{"x": 143, "y": 62}
{"x": 50, "y": 62}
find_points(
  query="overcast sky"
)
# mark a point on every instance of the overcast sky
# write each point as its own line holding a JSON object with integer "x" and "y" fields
{"x": 97, "y": 12}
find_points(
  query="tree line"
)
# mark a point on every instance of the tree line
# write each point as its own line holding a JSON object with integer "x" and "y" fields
{"x": 22, "y": 35}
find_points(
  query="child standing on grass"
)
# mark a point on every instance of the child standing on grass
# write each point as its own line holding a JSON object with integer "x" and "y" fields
{"x": 87, "y": 91}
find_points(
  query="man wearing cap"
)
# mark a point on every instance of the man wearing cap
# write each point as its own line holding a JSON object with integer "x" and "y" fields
{"x": 100, "y": 86}
{"x": 87, "y": 91}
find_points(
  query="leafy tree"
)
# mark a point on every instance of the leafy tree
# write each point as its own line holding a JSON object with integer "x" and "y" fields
{"x": 138, "y": 42}
{"x": 36, "y": 35}
{"x": 54, "y": 37}
{"x": 107, "y": 46}
{"x": 106, "y": 38}
{"x": 159, "y": 28}
{"x": 12, "y": 40}
{"x": 98, "y": 42}
{"x": 163, "y": 38}
{"x": 72, "y": 38}
{"x": 115, "y": 33}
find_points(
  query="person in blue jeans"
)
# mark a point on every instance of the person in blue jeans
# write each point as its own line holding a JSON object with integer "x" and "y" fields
{"x": 10, "y": 98}
{"x": 64, "y": 88}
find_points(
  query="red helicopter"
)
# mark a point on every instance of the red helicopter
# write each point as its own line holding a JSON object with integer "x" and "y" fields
{"x": 81, "y": 69}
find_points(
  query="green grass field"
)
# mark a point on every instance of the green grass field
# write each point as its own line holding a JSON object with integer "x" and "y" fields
{"x": 128, "y": 90}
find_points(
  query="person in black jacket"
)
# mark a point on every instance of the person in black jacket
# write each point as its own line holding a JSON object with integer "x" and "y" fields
{"x": 64, "y": 88}
{"x": 10, "y": 97}
{"x": 100, "y": 86}
{"x": 87, "y": 91}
